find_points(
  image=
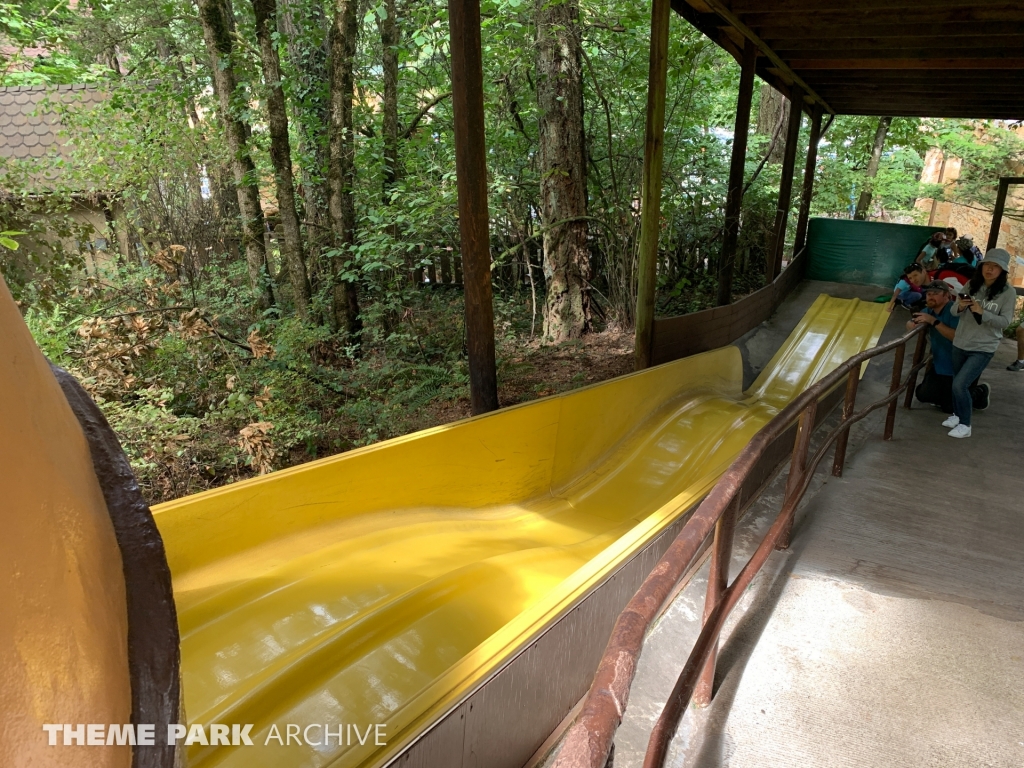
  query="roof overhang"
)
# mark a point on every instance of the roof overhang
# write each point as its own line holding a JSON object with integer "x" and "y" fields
{"x": 912, "y": 58}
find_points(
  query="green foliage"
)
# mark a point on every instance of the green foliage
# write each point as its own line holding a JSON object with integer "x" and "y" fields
{"x": 48, "y": 250}
{"x": 155, "y": 315}
{"x": 7, "y": 239}
{"x": 987, "y": 151}
{"x": 843, "y": 158}
{"x": 31, "y": 24}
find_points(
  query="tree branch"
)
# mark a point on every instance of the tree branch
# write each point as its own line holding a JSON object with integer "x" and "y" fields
{"x": 423, "y": 113}
{"x": 771, "y": 148}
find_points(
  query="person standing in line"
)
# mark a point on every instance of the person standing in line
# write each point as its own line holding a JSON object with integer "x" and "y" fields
{"x": 926, "y": 257}
{"x": 967, "y": 252}
{"x": 1018, "y": 364}
{"x": 985, "y": 308}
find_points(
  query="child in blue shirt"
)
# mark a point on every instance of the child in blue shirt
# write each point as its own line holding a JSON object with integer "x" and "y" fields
{"x": 908, "y": 290}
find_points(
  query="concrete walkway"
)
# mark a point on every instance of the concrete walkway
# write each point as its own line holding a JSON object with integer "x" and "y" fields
{"x": 891, "y": 634}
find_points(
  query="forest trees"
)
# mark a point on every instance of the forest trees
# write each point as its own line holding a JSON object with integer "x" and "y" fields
{"x": 281, "y": 176}
{"x": 217, "y": 33}
{"x": 341, "y": 173}
{"x": 864, "y": 201}
{"x": 350, "y": 100}
{"x": 265, "y": 12}
{"x": 563, "y": 176}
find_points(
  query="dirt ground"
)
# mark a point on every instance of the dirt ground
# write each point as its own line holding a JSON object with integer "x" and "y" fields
{"x": 527, "y": 372}
{"x": 541, "y": 370}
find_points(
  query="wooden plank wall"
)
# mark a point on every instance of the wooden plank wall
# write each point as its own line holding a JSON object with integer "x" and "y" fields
{"x": 685, "y": 335}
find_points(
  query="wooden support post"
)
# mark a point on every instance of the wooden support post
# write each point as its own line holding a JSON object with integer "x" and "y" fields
{"x": 908, "y": 399}
{"x": 471, "y": 176}
{"x": 734, "y": 200}
{"x": 897, "y": 377}
{"x": 797, "y": 471}
{"x": 718, "y": 581}
{"x": 997, "y": 214}
{"x": 839, "y": 460}
{"x": 785, "y": 189}
{"x": 650, "y": 193}
{"x": 446, "y": 266}
{"x": 800, "y": 240}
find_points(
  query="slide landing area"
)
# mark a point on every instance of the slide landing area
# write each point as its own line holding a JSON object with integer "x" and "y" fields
{"x": 381, "y": 585}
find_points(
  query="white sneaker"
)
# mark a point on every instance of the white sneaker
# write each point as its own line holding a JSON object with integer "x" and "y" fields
{"x": 951, "y": 421}
{"x": 960, "y": 430}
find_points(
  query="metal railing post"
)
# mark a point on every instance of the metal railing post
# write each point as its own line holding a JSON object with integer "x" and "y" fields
{"x": 852, "y": 382}
{"x": 798, "y": 466}
{"x": 918, "y": 357}
{"x": 588, "y": 743}
{"x": 897, "y": 376}
{"x": 718, "y": 580}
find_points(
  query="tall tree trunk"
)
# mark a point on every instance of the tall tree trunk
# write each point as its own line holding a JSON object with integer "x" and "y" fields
{"x": 389, "y": 38}
{"x": 341, "y": 173}
{"x": 225, "y": 200}
{"x": 281, "y": 154}
{"x": 217, "y": 35}
{"x": 772, "y": 115}
{"x": 301, "y": 25}
{"x": 563, "y": 186}
{"x": 864, "y": 201}
{"x": 167, "y": 52}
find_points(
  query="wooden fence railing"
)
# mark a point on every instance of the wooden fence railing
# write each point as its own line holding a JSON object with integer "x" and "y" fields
{"x": 685, "y": 335}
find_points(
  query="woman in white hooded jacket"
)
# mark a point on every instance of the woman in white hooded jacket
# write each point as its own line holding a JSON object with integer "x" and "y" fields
{"x": 985, "y": 309}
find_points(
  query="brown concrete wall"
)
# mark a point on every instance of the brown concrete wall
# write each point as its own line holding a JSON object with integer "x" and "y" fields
{"x": 973, "y": 220}
{"x": 84, "y": 214}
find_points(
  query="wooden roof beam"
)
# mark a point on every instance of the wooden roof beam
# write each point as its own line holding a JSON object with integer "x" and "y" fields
{"x": 962, "y": 113}
{"x": 857, "y": 15}
{"x": 811, "y": 28}
{"x": 905, "y": 64}
{"x": 777, "y": 64}
{"x": 818, "y": 77}
{"x": 886, "y": 105}
{"x": 826, "y": 54}
{"x": 742, "y": 7}
{"x": 928, "y": 107}
{"x": 982, "y": 45}
{"x": 924, "y": 86}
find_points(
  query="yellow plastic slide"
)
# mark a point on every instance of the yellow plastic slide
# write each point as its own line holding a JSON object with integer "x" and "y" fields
{"x": 380, "y": 585}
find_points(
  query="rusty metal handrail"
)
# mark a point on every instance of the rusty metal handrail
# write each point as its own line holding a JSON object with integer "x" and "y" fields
{"x": 589, "y": 740}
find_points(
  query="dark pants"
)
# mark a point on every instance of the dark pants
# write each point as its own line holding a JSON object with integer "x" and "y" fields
{"x": 967, "y": 368}
{"x": 909, "y": 298}
{"x": 937, "y": 389}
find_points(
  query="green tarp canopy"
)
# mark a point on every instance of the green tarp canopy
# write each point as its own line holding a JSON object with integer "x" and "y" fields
{"x": 866, "y": 252}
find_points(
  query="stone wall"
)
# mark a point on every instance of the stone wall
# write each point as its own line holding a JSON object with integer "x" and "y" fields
{"x": 973, "y": 220}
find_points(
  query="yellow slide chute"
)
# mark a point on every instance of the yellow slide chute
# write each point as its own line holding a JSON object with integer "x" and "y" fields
{"x": 380, "y": 585}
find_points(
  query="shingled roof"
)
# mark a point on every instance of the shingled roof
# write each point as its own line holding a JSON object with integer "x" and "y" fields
{"x": 30, "y": 122}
